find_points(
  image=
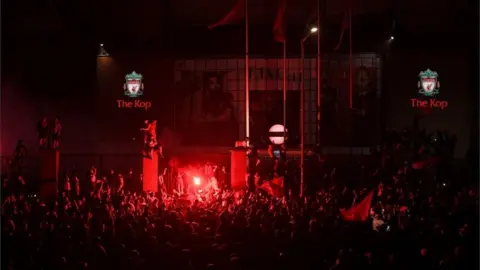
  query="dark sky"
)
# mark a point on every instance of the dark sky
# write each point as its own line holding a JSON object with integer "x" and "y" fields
{"x": 49, "y": 47}
{"x": 49, "y": 26}
{"x": 38, "y": 37}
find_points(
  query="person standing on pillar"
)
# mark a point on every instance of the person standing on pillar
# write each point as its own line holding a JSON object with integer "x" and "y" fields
{"x": 147, "y": 151}
{"x": 150, "y": 138}
{"x": 42, "y": 132}
{"x": 57, "y": 129}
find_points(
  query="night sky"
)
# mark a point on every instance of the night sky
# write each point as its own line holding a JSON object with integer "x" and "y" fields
{"x": 49, "y": 47}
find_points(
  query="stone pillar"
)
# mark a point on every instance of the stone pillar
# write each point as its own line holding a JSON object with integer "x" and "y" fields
{"x": 150, "y": 173}
{"x": 49, "y": 170}
{"x": 238, "y": 168}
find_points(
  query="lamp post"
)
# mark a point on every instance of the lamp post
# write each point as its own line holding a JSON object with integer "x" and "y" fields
{"x": 102, "y": 52}
{"x": 302, "y": 111}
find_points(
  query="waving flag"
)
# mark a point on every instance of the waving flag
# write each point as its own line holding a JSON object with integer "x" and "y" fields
{"x": 235, "y": 15}
{"x": 279, "y": 25}
{"x": 345, "y": 27}
{"x": 274, "y": 187}
{"x": 360, "y": 211}
{"x": 420, "y": 164}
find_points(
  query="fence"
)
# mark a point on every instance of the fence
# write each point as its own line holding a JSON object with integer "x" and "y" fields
{"x": 121, "y": 163}
{"x": 81, "y": 163}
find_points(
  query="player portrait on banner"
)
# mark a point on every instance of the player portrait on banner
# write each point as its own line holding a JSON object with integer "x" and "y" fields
{"x": 364, "y": 104}
{"x": 216, "y": 103}
{"x": 208, "y": 110}
{"x": 364, "y": 92}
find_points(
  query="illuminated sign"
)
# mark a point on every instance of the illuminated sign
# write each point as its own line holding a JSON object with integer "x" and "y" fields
{"x": 133, "y": 85}
{"x": 428, "y": 89}
{"x": 277, "y": 133}
{"x": 133, "y": 88}
{"x": 428, "y": 84}
{"x": 138, "y": 104}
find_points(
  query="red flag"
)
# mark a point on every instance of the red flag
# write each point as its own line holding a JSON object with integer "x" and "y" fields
{"x": 418, "y": 165}
{"x": 279, "y": 25}
{"x": 273, "y": 187}
{"x": 345, "y": 26}
{"x": 236, "y": 14}
{"x": 360, "y": 211}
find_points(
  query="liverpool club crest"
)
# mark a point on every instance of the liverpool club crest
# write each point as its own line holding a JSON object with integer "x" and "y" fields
{"x": 428, "y": 85}
{"x": 133, "y": 86}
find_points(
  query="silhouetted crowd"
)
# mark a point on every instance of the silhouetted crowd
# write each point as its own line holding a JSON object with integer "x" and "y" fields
{"x": 422, "y": 216}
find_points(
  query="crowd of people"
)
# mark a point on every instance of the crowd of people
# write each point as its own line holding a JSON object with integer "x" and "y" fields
{"x": 421, "y": 216}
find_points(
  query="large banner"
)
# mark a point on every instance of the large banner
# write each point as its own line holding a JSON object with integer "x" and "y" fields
{"x": 206, "y": 109}
{"x": 365, "y": 103}
{"x": 204, "y": 112}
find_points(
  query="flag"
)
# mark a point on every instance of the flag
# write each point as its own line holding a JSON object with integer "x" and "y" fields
{"x": 237, "y": 13}
{"x": 420, "y": 164}
{"x": 345, "y": 26}
{"x": 360, "y": 211}
{"x": 273, "y": 187}
{"x": 279, "y": 25}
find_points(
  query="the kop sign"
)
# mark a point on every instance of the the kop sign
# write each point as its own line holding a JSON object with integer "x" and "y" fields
{"x": 277, "y": 134}
{"x": 133, "y": 88}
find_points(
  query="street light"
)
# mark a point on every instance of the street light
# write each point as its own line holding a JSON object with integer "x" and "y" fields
{"x": 313, "y": 30}
{"x": 102, "y": 52}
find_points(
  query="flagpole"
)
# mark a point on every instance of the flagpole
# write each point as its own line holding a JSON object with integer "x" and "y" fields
{"x": 319, "y": 66}
{"x": 247, "y": 79}
{"x": 350, "y": 81}
{"x": 302, "y": 117}
{"x": 285, "y": 92}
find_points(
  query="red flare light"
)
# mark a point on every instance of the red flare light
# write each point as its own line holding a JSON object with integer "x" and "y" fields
{"x": 196, "y": 181}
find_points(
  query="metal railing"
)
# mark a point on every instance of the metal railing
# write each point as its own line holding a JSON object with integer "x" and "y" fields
{"x": 121, "y": 163}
